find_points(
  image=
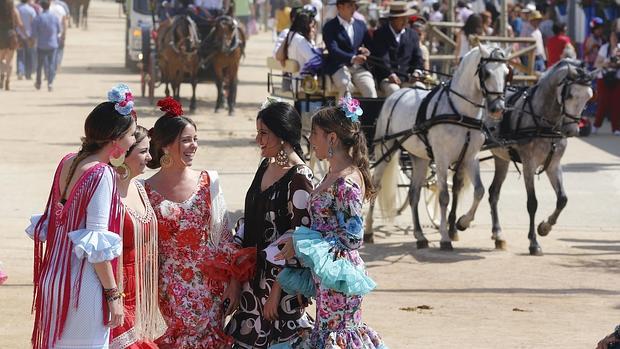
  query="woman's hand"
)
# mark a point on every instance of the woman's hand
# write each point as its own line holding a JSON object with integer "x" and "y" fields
{"x": 232, "y": 293}
{"x": 273, "y": 303}
{"x": 117, "y": 313}
{"x": 287, "y": 252}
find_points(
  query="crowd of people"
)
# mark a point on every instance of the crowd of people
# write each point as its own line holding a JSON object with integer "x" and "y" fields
{"x": 112, "y": 251}
{"x": 388, "y": 50}
{"x": 37, "y": 31}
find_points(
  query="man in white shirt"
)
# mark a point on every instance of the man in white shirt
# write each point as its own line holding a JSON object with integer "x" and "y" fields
{"x": 541, "y": 57}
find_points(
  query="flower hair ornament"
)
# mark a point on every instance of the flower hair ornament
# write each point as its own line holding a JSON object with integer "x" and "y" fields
{"x": 123, "y": 100}
{"x": 170, "y": 106}
{"x": 269, "y": 101}
{"x": 351, "y": 108}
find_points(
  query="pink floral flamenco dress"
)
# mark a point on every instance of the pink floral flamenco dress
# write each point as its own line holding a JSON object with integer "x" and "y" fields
{"x": 335, "y": 275}
{"x": 197, "y": 259}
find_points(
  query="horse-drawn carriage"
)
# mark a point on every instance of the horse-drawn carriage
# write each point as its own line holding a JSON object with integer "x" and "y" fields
{"x": 421, "y": 137}
{"x": 190, "y": 47}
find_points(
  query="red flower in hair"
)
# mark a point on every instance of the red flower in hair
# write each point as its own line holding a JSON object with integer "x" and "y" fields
{"x": 170, "y": 106}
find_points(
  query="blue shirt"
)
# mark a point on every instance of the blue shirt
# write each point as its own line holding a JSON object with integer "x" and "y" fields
{"x": 27, "y": 14}
{"x": 46, "y": 28}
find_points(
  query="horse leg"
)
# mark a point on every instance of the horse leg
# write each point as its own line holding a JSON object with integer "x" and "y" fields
{"x": 376, "y": 181}
{"x": 192, "y": 103}
{"x": 167, "y": 90}
{"x": 219, "y": 84}
{"x": 417, "y": 182}
{"x": 444, "y": 198}
{"x": 532, "y": 206}
{"x": 473, "y": 169}
{"x": 85, "y": 14}
{"x": 232, "y": 94}
{"x": 555, "y": 178}
{"x": 457, "y": 185}
{"x": 501, "y": 170}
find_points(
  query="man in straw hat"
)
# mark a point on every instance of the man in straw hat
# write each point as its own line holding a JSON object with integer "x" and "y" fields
{"x": 535, "y": 18}
{"x": 396, "y": 48}
{"x": 347, "y": 42}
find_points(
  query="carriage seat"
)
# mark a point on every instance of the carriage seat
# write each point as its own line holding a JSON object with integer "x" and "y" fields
{"x": 326, "y": 89}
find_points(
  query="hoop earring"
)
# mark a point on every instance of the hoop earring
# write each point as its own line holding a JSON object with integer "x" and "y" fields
{"x": 165, "y": 161}
{"x": 281, "y": 156}
{"x": 123, "y": 171}
{"x": 117, "y": 156}
{"x": 330, "y": 152}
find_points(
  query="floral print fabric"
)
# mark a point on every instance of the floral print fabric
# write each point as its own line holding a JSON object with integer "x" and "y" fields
{"x": 337, "y": 214}
{"x": 191, "y": 270}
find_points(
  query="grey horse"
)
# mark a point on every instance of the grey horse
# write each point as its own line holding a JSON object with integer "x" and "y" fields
{"x": 536, "y": 125}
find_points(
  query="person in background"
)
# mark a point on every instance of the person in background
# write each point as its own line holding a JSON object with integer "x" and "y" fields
{"x": 607, "y": 88}
{"x": 282, "y": 16}
{"x": 594, "y": 41}
{"x": 526, "y": 27}
{"x": 473, "y": 27}
{"x": 26, "y": 52}
{"x": 540, "y": 58}
{"x": 514, "y": 17}
{"x": 244, "y": 13}
{"x": 396, "y": 48}
{"x": 299, "y": 43}
{"x": 347, "y": 42}
{"x": 462, "y": 11}
{"x": 487, "y": 23}
{"x": 60, "y": 10}
{"x": 46, "y": 30}
{"x": 559, "y": 45}
{"x": 436, "y": 15}
{"x": 418, "y": 24}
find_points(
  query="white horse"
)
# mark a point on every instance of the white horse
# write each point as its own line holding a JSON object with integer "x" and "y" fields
{"x": 448, "y": 131}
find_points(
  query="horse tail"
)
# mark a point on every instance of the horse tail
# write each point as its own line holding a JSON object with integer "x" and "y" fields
{"x": 387, "y": 174}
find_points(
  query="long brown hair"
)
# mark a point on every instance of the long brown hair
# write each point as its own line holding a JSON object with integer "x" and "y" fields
{"x": 333, "y": 119}
{"x": 103, "y": 125}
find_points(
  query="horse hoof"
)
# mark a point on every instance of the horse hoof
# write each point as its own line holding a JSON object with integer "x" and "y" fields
{"x": 421, "y": 244}
{"x": 454, "y": 236}
{"x": 500, "y": 244}
{"x": 536, "y": 251}
{"x": 445, "y": 246}
{"x": 460, "y": 225}
{"x": 231, "y": 113}
{"x": 369, "y": 238}
{"x": 544, "y": 228}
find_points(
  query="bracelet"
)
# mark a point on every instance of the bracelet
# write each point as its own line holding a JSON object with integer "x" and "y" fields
{"x": 112, "y": 294}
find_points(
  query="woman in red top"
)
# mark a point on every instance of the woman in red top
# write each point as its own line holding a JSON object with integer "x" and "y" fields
{"x": 139, "y": 259}
{"x": 559, "y": 45}
{"x": 200, "y": 268}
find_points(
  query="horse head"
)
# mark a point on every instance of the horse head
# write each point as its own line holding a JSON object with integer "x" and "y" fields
{"x": 493, "y": 74}
{"x": 569, "y": 86}
{"x": 186, "y": 35}
{"x": 226, "y": 33}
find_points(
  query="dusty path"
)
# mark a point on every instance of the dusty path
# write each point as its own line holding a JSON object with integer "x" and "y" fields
{"x": 479, "y": 298}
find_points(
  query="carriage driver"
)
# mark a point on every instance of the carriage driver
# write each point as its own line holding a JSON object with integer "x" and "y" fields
{"x": 396, "y": 50}
{"x": 346, "y": 40}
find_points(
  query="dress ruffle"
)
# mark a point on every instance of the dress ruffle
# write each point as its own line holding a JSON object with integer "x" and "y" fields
{"x": 96, "y": 245}
{"x": 362, "y": 337}
{"x": 224, "y": 266}
{"x": 338, "y": 274}
{"x": 297, "y": 280}
{"x": 34, "y": 220}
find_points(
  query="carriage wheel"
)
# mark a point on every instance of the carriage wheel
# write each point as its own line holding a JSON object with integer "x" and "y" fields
{"x": 431, "y": 195}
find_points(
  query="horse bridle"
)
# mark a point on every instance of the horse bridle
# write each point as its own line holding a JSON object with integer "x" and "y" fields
{"x": 584, "y": 81}
{"x": 482, "y": 76}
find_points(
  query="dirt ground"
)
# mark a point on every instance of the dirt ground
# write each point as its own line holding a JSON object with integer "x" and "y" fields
{"x": 474, "y": 297}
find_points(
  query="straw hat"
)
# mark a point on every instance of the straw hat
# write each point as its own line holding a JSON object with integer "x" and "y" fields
{"x": 400, "y": 9}
{"x": 534, "y": 15}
